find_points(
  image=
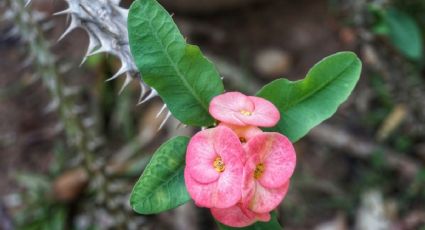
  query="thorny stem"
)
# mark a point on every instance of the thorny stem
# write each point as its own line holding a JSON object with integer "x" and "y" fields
{"x": 44, "y": 62}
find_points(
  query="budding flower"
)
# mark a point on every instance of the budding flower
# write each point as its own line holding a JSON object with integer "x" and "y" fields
{"x": 235, "y": 108}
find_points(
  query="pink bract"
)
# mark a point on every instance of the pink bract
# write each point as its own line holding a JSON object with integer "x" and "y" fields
{"x": 214, "y": 168}
{"x": 238, "y": 216}
{"x": 270, "y": 163}
{"x": 238, "y": 109}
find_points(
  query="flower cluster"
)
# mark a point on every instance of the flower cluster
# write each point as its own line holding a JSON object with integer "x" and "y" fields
{"x": 238, "y": 171}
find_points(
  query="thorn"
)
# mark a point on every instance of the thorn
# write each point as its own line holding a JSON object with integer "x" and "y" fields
{"x": 68, "y": 16}
{"x": 127, "y": 81}
{"x": 122, "y": 70}
{"x": 66, "y": 11}
{"x": 164, "y": 121}
{"x": 83, "y": 61}
{"x": 70, "y": 28}
{"x": 27, "y": 3}
{"x": 93, "y": 44}
{"x": 102, "y": 49}
{"x": 151, "y": 95}
{"x": 142, "y": 91}
{"x": 161, "y": 110}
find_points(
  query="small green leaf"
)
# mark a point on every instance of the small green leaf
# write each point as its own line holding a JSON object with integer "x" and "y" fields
{"x": 306, "y": 103}
{"x": 380, "y": 26}
{"x": 273, "y": 224}
{"x": 404, "y": 33}
{"x": 161, "y": 186}
{"x": 182, "y": 76}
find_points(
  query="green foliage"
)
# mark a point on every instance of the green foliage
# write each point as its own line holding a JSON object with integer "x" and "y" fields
{"x": 306, "y": 103}
{"x": 183, "y": 77}
{"x": 404, "y": 33}
{"x": 161, "y": 186}
{"x": 273, "y": 224}
{"x": 402, "y": 30}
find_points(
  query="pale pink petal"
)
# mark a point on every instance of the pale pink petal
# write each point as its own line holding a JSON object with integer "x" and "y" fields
{"x": 207, "y": 190}
{"x": 277, "y": 154}
{"x": 202, "y": 194}
{"x": 265, "y": 113}
{"x": 229, "y": 186}
{"x": 262, "y": 200}
{"x": 227, "y": 145}
{"x": 226, "y": 107}
{"x": 279, "y": 163}
{"x": 200, "y": 157}
{"x": 249, "y": 181}
{"x": 223, "y": 193}
{"x": 237, "y": 216}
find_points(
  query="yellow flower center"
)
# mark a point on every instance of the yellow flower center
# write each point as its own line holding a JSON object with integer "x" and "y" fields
{"x": 219, "y": 165}
{"x": 246, "y": 113}
{"x": 259, "y": 170}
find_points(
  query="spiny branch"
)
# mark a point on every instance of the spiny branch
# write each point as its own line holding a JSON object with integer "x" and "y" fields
{"x": 27, "y": 26}
{"x": 106, "y": 25}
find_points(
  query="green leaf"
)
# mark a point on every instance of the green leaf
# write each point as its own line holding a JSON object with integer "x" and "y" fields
{"x": 306, "y": 103}
{"x": 273, "y": 224}
{"x": 380, "y": 26}
{"x": 404, "y": 33}
{"x": 161, "y": 186}
{"x": 182, "y": 76}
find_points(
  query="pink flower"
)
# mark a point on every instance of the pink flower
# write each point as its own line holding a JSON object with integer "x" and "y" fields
{"x": 270, "y": 163}
{"x": 214, "y": 168}
{"x": 238, "y": 109}
{"x": 236, "y": 169}
{"x": 244, "y": 133}
{"x": 238, "y": 216}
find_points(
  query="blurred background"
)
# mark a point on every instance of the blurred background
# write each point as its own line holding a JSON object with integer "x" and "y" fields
{"x": 72, "y": 146}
